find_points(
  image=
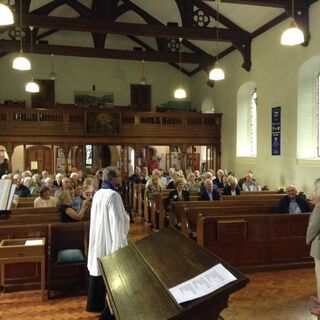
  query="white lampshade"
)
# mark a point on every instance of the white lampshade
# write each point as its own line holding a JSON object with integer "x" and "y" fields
{"x": 32, "y": 87}
{"x": 216, "y": 73}
{"x": 180, "y": 93}
{"x": 143, "y": 80}
{"x": 6, "y": 16}
{"x": 292, "y": 36}
{"x": 21, "y": 63}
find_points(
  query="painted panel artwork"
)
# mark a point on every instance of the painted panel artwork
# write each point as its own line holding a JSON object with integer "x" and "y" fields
{"x": 93, "y": 99}
{"x": 102, "y": 122}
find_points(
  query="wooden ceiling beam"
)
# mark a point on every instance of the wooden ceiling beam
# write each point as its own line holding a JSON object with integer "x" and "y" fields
{"x": 158, "y": 31}
{"x": 262, "y": 3}
{"x": 213, "y": 13}
{"x": 13, "y": 46}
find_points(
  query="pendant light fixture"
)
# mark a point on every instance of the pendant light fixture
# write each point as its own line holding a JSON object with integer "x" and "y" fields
{"x": 52, "y": 74}
{"x": 143, "y": 80}
{"x": 293, "y": 35}
{"x": 6, "y": 16}
{"x": 21, "y": 63}
{"x": 32, "y": 86}
{"x": 180, "y": 93}
{"x": 217, "y": 73}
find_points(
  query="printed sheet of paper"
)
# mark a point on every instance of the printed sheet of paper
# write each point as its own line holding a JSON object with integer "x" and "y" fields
{"x": 36, "y": 242}
{"x": 203, "y": 284}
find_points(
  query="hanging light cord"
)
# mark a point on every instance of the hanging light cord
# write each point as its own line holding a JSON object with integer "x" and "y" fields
{"x": 142, "y": 68}
{"x": 292, "y": 7}
{"x": 217, "y": 31}
{"x": 180, "y": 54}
{"x": 31, "y": 38}
{"x": 21, "y": 26}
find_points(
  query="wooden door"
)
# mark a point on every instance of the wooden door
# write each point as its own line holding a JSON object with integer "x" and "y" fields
{"x": 41, "y": 155}
{"x": 141, "y": 97}
{"x": 105, "y": 156}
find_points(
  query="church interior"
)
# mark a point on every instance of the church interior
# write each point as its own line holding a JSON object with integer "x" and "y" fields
{"x": 183, "y": 85}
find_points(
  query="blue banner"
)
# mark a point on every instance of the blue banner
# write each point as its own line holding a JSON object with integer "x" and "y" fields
{"x": 276, "y": 131}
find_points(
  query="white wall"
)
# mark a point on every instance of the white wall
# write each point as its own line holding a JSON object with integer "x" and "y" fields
{"x": 79, "y": 74}
{"x": 275, "y": 71}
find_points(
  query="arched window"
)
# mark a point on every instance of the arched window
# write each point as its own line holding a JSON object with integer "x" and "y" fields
{"x": 247, "y": 102}
{"x": 318, "y": 114}
{"x": 308, "y": 115}
{"x": 89, "y": 155}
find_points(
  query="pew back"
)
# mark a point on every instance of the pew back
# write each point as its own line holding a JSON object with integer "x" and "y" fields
{"x": 256, "y": 242}
{"x": 189, "y": 216}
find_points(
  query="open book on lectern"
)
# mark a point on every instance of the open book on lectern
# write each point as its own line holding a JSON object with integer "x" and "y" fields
{"x": 7, "y": 190}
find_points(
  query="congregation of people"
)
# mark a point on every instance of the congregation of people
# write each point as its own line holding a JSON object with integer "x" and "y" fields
{"x": 71, "y": 193}
{"x": 73, "y": 196}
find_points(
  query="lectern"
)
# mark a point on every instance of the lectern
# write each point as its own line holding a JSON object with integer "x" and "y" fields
{"x": 139, "y": 276}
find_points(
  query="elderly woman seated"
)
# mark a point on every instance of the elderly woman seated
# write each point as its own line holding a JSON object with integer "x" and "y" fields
{"x": 67, "y": 213}
{"x": 153, "y": 187}
{"x": 192, "y": 185}
{"x": 232, "y": 188}
{"x": 44, "y": 200}
{"x": 178, "y": 194}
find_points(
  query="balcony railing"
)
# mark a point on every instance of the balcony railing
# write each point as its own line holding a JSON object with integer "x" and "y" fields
{"x": 107, "y": 123}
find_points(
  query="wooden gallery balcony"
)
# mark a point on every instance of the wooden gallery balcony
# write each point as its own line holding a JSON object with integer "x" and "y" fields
{"x": 100, "y": 126}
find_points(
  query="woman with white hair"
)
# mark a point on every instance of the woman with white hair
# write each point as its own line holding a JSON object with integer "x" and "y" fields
{"x": 313, "y": 239}
{"x": 57, "y": 183}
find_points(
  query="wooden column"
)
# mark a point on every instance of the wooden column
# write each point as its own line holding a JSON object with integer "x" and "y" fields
{"x": 138, "y": 154}
{"x": 66, "y": 149}
{"x": 9, "y": 150}
{"x": 184, "y": 149}
{"x": 24, "y": 157}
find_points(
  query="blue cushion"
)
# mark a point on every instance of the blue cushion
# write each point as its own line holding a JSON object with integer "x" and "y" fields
{"x": 70, "y": 256}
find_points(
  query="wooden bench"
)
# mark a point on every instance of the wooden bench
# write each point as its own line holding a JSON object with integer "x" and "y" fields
{"x": 175, "y": 210}
{"x": 28, "y": 277}
{"x": 36, "y": 216}
{"x": 189, "y": 216}
{"x": 158, "y": 211}
{"x": 70, "y": 275}
{"x": 26, "y": 202}
{"x": 257, "y": 242}
{"x": 33, "y": 211}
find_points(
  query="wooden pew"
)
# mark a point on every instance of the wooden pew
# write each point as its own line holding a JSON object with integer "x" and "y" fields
{"x": 158, "y": 212}
{"x": 28, "y": 276}
{"x": 257, "y": 242}
{"x": 157, "y": 207}
{"x": 175, "y": 211}
{"x": 189, "y": 215}
{"x": 33, "y": 211}
{"x": 26, "y": 202}
{"x": 36, "y": 215}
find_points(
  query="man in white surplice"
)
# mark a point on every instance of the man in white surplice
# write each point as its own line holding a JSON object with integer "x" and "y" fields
{"x": 109, "y": 226}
